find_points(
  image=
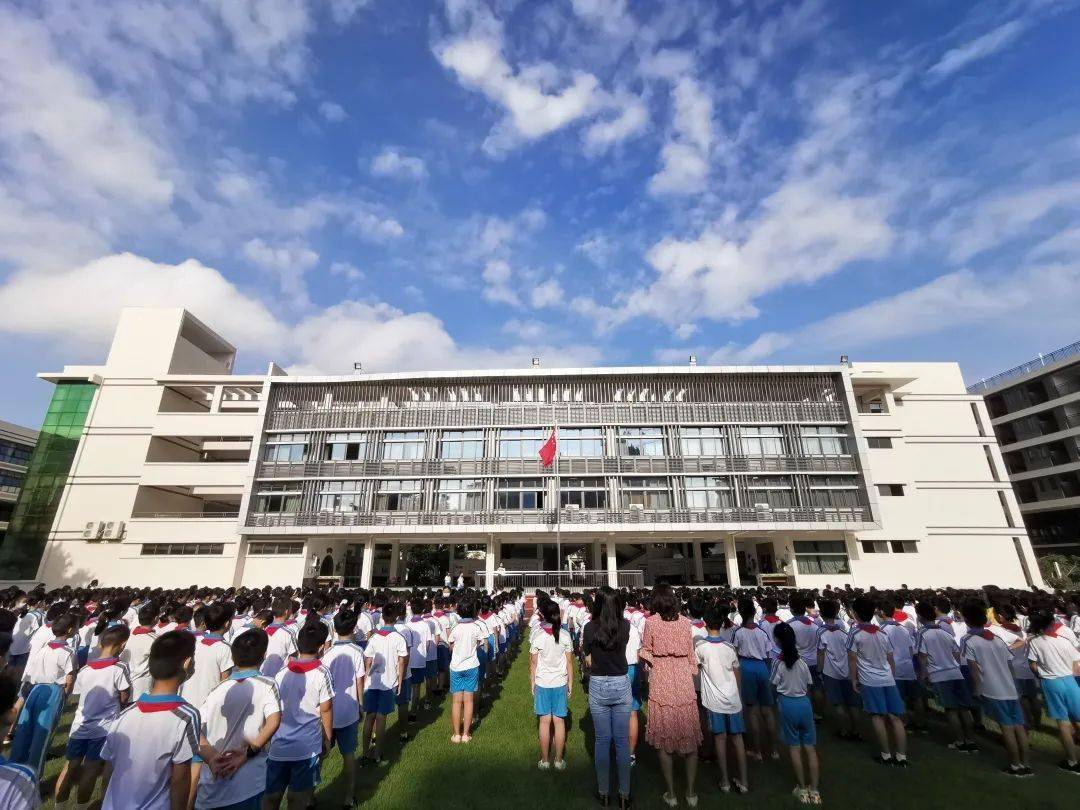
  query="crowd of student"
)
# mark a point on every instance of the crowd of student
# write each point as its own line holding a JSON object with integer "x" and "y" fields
{"x": 232, "y": 698}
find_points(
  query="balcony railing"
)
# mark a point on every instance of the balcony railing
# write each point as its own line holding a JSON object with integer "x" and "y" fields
{"x": 185, "y": 515}
{"x": 571, "y": 519}
{"x": 562, "y": 579}
{"x": 1025, "y": 368}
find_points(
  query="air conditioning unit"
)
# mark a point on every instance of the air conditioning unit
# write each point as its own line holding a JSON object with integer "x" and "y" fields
{"x": 637, "y": 507}
{"x": 114, "y": 530}
{"x": 762, "y": 507}
{"x": 93, "y": 530}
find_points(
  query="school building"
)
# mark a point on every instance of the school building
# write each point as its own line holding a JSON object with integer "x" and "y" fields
{"x": 178, "y": 471}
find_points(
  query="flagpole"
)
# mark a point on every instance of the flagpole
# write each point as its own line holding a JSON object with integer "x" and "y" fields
{"x": 558, "y": 504}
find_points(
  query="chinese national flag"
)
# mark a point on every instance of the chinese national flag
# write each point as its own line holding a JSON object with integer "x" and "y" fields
{"x": 547, "y": 452}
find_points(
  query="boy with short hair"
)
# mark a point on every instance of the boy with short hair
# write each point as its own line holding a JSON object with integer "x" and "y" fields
{"x": 721, "y": 688}
{"x": 903, "y": 648}
{"x": 806, "y": 639}
{"x": 1055, "y": 659}
{"x": 386, "y": 660}
{"x": 405, "y": 693}
{"x": 418, "y": 654}
{"x": 53, "y": 662}
{"x": 833, "y": 666}
{"x": 136, "y": 653}
{"x": 465, "y": 639}
{"x": 213, "y": 657}
{"x": 239, "y": 717}
{"x": 282, "y": 643}
{"x": 103, "y": 687}
{"x": 939, "y": 665}
{"x": 152, "y": 743}
{"x": 306, "y": 721}
{"x": 345, "y": 662}
{"x": 870, "y": 670}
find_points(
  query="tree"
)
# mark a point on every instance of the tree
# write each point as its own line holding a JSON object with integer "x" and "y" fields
{"x": 1061, "y": 571}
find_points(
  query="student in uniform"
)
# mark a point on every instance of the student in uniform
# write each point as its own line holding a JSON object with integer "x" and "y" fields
{"x": 103, "y": 687}
{"x": 431, "y": 653}
{"x": 870, "y": 669}
{"x": 18, "y": 783}
{"x": 634, "y": 675}
{"x": 31, "y": 619}
{"x": 1055, "y": 659}
{"x": 721, "y": 687}
{"x": 551, "y": 672}
{"x": 465, "y": 640}
{"x": 418, "y": 657}
{"x": 213, "y": 657}
{"x": 903, "y": 648}
{"x": 136, "y": 652}
{"x": 753, "y": 644}
{"x": 405, "y": 693}
{"x": 833, "y": 665}
{"x": 306, "y": 728}
{"x": 345, "y": 661}
{"x": 386, "y": 661}
{"x": 1008, "y": 629}
{"x": 990, "y": 661}
{"x": 151, "y": 744}
{"x": 52, "y": 663}
{"x": 806, "y": 638}
{"x": 792, "y": 679}
{"x": 239, "y": 717}
{"x": 939, "y": 665}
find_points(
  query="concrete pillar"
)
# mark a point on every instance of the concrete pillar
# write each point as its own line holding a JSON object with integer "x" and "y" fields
{"x": 450, "y": 564}
{"x": 367, "y": 563}
{"x": 395, "y": 558}
{"x": 597, "y": 559}
{"x": 699, "y": 565}
{"x": 540, "y": 556}
{"x": 489, "y": 566}
{"x": 732, "y": 561}
{"x": 612, "y": 565}
{"x": 216, "y": 397}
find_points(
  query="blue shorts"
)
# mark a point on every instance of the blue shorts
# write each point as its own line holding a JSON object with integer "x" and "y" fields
{"x": 756, "y": 689}
{"x": 465, "y": 681}
{"x": 550, "y": 700}
{"x": 431, "y": 668}
{"x": 910, "y": 690}
{"x": 347, "y": 737}
{"x": 502, "y": 647}
{"x": 1026, "y": 687}
{"x": 726, "y": 723}
{"x": 635, "y": 687}
{"x": 444, "y": 659}
{"x": 482, "y": 656}
{"x": 405, "y": 695}
{"x": 815, "y": 676}
{"x": 297, "y": 776}
{"x": 797, "y": 721}
{"x": 250, "y": 803}
{"x": 954, "y": 694}
{"x": 417, "y": 676}
{"x": 1003, "y": 712}
{"x": 1062, "y": 698}
{"x": 18, "y": 661}
{"x": 81, "y": 654}
{"x": 88, "y": 749}
{"x": 378, "y": 701}
{"x": 840, "y": 692}
{"x": 492, "y": 645}
{"x": 882, "y": 700}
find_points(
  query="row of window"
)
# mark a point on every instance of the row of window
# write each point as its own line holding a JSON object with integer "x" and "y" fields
{"x": 573, "y": 442}
{"x": 469, "y": 494}
{"x": 884, "y": 546}
{"x": 11, "y": 453}
{"x": 203, "y": 549}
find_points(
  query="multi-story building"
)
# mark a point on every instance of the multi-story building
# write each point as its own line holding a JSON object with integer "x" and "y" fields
{"x": 860, "y": 473}
{"x": 1035, "y": 411}
{"x": 16, "y": 447}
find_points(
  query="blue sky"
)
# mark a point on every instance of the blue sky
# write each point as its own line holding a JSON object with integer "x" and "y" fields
{"x": 417, "y": 185}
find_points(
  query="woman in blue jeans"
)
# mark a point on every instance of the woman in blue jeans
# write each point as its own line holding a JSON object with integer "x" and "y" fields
{"x": 604, "y": 643}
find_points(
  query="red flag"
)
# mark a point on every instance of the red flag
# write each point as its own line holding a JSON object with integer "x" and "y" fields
{"x": 547, "y": 452}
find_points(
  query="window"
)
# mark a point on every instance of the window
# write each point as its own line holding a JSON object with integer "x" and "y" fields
{"x": 342, "y": 496}
{"x": 460, "y": 495}
{"x": 904, "y": 546}
{"x": 278, "y": 498}
{"x": 181, "y": 549}
{"x": 584, "y": 493}
{"x": 823, "y": 440}
{"x": 403, "y": 446}
{"x": 835, "y": 491}
{"x": 462, "y": 444}
{"x": 890, "y": 490}
{"x": 522, "y": 443}
{"x": 519, "y": 493}
{"x": 268, "y": 549}
{"x": 648, "y": 493}
{"x": 581, "y": 442}
{"x": 10, "y": 482}
{"x": 702, "y": 441}
{"x": 11, "y": 453}
{"x": 709, "y": 492}
{"x": 821, "y": 557}
{"x": 285, "y": 448}
{"x": 762, "y": 441}
{"x": 879, "y": 442}
{"x": 346, "y": 447}
{"x": 644, "y": 441}
{"x": 398, "y": 496}
{"x": 875, "y": 547}
{"x": 771, "y": 491}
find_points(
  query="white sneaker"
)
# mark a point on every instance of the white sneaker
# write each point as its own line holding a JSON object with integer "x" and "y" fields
{"x": 543, "y": 765}
{"x": 560, "y": 764}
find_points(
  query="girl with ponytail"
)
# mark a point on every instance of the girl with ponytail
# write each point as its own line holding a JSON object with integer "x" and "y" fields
{"x": 792, "y": 679}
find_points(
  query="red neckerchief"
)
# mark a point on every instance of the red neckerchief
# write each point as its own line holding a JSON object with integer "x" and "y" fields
{"x": 772, "y": 619}
{"x": 698, "y": 623}
{"x": 1052, "y": 630}
{"x": 147, "y": 704}
{"x": 304, "y": 666}
{"x": 181, "y": 626}
{"x": 162, "y": 624}
{"x": 140, "y": 630}
{"x": 804, "y": 619}
{"x": 1012, "y": 628}
{"x": 438, "y": 614}
{"x": 547, "y": 628}
{"x": 101, "y": 663}
{"x": 899, "y": 616}
{"x": 90, "y": 622}
{"x": 831, "y": 626}
{"x": 272, "y": 628}
{"x": 486, "y": 616}
{"x": 384, "y": 632}
{"x": 209, "y": 640}
{"x": 57, "y": 645}
{"x": 986, "y": 634}
{"x": 869, "y": 628}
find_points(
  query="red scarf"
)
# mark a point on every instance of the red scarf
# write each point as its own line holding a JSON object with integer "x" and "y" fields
{"x": 1012, "y": 628}
{"x": 139, "y": 631}
{"x": 899, "y": 616}
{"x": 804, "y": 619}
{"x": 304, "y": 666}
{"x": 869, "y": 628}
{"x": 101, "y": 663}
{"x": 1052, "y": 630}
{"x": 57, "y": 645}
{"x": 772, "y": 619}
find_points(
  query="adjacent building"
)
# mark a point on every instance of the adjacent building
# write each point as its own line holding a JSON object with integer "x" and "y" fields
{"x": 16, "y": 447}
{"x": 1035, "y": 412}
{"x": 185, "y": 472}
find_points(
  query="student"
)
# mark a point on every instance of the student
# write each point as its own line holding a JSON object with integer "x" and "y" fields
{"x": 939, "y": 665}
{"x": 551, "y": 672}
{"x": 634, "y": 675}
{"x": 466, "y": 639}
{"x": 792, "y": 679}
{"x": 282, "y": 642}
{"x": 754, "y": 644}
{"x": 52, "y": 663}
{"x": 306, "y": 728}
{"x": 416, "y": 656}
{"x": 1008, "y": 629}
{"x": 833, "y": 665}
{"x": 721, "y": 686}
{"x": 136, "y": 652}
{"x": 1055, "y": 659}
{"x": 431, "y": 659}
{"x": 870, "y": 670}
{"x": 239, "y": 717}
{"x": 990, "y": 662}
{"x": 151, "y": 744}
{"x": 345, "y": 662}
{"x": 806, "y": 638}
{"x": 31, "y": 619}
{"x": 18, "y": 783}
{"x": 424, "y": 638}
{"x": 903, "y": 648}
{"x": 213, "y": 657}
{"x": 386, "y": 661}
{"x": 103, "y": 687}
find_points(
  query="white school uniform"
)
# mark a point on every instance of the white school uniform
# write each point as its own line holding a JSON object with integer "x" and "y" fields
{"x": 636, "y": 618}
{"x": 903, "y": 648}
{"x": 872, "y": 649}
{"x": 18, "y": 787}
{"x": 213, "y": 657}
{"x": 136, "y": 655}
{"x": 432, "y": 650}
{"x": 633, "y": 645}
{"x": 345, "y": 662}
{"x": 550, "y": 655}
{"x": 832, "y": 639}
{"x": 98, "y": 686}
{"x": 995, "y": 665}
{"x": 422, "y": 639}
{"x": 1011, "y": 634}
{"x": 719, "y": 688}
{"x": 280, "y": 645}
{"x": 149, "y": 736}
{"x": 806, "y": 637}
{"x": 942, "y": 653}
{"x": 1053, "y": 655}
{"x": 232, "y": 715}
{"x": 466, "y": 638}
{"x": 42, "y": 636}
{"x": 697, "y": 629}
{"x": 50, "y": 664}
{"x": 303, "y": 686}
{"x": 384, "y": 651}
{"x": 24, "y": 630}
{"x": 750, "y": 641}
{"x": 793, "y": 681}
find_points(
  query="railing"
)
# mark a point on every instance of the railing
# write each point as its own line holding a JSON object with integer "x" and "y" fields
{"x": 563, "y": 579}
{"x": 571, "y": 518}
{"x": 9, "y": 490}
{"x": 185, "y": 515}
{"x": 1025, "y": 368}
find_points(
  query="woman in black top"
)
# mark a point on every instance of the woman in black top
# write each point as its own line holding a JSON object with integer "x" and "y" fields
{"x": 604, "y": 644}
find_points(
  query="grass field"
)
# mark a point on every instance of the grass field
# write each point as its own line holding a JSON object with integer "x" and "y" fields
{"x": 498, "y": 769}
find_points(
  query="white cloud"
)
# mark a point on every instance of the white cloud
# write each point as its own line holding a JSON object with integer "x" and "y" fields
{"x": 392, "y": 163}
{"x": 630, "y": 118}
{"x": 288, "y": 261}
{"x": 685, "y": 156}
{"x": 978, "y": 48}
{"x": 350, "y": 272}
{"x": 547, "y": 294}
{"x": 597, "y": 248}
{"x": 332, "y": 112}
{"x": 610, "y": 16}
{"x": 374, "y": 226}
{"x": 497, "y": 283}
{"x": 527, "y": 331}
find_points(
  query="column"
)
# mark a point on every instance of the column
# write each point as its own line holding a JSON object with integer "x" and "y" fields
{"x": 367, "y": 563}
{"x": 450, "y": 564}
{"x": 540, "y": 556}
{"x": 612, "y": 564}
{"x": 395, "y": 557}
{"x": 699, "y": 565}
{"x": 596, "y": 561}
{"x": 732, "y": 561}
{"x": 489, "y": 566}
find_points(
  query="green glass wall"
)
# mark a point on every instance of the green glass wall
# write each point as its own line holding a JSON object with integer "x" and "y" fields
{"x": 46, "y": 476}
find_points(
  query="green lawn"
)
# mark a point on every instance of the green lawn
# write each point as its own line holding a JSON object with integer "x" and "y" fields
{"x": 498, "y": 769}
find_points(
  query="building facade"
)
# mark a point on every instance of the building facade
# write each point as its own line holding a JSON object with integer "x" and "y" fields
{"x": 16, "y": 448}
{"x": 863, "y": 474}
{"x": 1035, "y": 412}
